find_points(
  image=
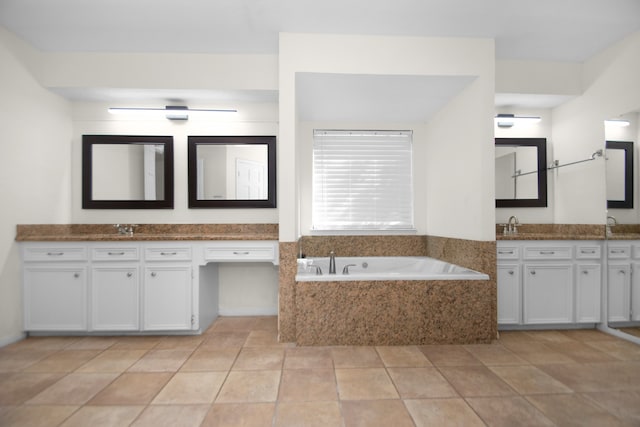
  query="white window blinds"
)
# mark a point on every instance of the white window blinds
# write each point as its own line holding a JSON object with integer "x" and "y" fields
{"x": 362, "y": 180}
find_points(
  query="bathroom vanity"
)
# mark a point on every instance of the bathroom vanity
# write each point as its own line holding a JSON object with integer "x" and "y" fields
{"x": 623, "y": 293}
{"x": 141, "y": 283}
{"x": 549, "y": 282}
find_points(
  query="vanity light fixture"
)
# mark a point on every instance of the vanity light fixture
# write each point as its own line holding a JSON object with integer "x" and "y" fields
{"x": 620, "y": 123}
{"x": 508, "y": 120}
{"x": 171, "y": 112}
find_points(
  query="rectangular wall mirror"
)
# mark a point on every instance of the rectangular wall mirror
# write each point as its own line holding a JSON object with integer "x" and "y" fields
{"x": 127, "y": 172}
{"x": 521, "y": 172}
{"x": 619, "y": 174}
{"x": 232, "y": 171}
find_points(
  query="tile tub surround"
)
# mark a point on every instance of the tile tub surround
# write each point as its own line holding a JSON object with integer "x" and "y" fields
{"x": 411, "y": 312}
{"x": 287, "y": 292}
{"x": 476, "y": 255}
{"x": 320, "y": 246}
{"x": 554, "y": 232}
{"x": 146, "y": 232}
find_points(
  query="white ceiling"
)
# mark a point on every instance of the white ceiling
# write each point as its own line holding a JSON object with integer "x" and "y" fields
{"x": 558, "y": 30}
{"x": 564, "y": 30}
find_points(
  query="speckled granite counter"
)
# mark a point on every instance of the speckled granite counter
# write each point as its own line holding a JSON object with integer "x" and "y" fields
{"x": 624, "y": 232}
{"x": 145, "y": 232}
{"x": 554, "y": 232}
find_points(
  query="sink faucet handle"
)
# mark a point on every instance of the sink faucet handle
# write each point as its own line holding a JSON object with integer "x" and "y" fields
{"x": 345, "y": 270}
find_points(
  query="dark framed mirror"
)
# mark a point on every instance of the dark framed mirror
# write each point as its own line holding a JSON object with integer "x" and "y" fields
{"x": 127, "y": 172}
{"x": 232, "y": 171}
{"x": 521, "y": 172}
{"x": 619, "y": 174}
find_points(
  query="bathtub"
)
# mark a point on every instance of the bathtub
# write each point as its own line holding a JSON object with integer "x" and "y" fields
{"x": 384, "y": 268}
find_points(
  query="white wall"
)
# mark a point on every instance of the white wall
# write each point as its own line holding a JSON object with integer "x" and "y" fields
{"x": 35, "y": 136}
{"x": 452, "y": 189}
{"x": 460, "y": 164}
{"x": 578, "y": 130}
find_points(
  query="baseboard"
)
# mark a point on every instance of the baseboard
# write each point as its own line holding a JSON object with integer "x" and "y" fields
{"x": 4, "y": 341}
{"x": 247, "y": 311}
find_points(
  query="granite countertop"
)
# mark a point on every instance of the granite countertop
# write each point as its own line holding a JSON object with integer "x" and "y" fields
{"x": 624, "y": 232}
{"x": 554, "y": 232}
{"x": 145, "y": 232}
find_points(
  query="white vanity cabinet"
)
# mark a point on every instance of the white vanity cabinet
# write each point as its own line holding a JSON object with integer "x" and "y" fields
{"x": 55, "y": 287}
{"x": 168, "y": 288}
{"x": 129, "y": 286}
{"x": 549, "y": 282}
{"x": 623, "y": 278}
{"x": 115, "y": 287}
{"x": 509, "y": 286}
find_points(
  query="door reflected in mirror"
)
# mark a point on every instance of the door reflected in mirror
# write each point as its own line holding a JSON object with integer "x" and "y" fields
{"x": 521, "y": 173}
{"x": 127, "y": 172}
{"x": 232, "y": 171}
{"x": 140, "y": 172}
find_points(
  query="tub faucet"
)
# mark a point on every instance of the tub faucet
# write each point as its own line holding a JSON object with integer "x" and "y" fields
{"x": 332, "y": 262}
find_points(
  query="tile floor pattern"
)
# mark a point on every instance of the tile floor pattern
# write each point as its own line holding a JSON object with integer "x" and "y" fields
{"x": 236, "y": 374}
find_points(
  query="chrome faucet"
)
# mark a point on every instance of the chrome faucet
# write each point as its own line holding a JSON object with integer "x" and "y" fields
{"x": 345, "y": 270}
{"x": 513, "y": 227}
{"x": 332, "y": 262}
{"x": 126, "y": 230}
{"x": 608, "y": 226}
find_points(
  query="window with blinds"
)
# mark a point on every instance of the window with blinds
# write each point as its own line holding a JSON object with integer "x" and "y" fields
{"x": 362, "y": 180}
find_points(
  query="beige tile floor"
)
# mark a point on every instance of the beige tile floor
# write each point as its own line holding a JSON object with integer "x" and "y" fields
{"x": 237, "y": 374}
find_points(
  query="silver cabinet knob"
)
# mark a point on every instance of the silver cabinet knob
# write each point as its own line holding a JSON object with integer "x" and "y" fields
{"x": 153, "y": 274}
{"x": 129, "y": 274}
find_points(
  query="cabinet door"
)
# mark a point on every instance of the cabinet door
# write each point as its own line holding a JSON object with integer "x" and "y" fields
{"x": 508, "y": 294}
{"x": 548, "y": 293}
{"x": 167, "y": 298}
{"x": 55, "y": 298}
{"x": 619, "y": 283}
{"x": 588, "y": 293}
{"x": 635, "y": 292}
{"x": 115, "y": 298}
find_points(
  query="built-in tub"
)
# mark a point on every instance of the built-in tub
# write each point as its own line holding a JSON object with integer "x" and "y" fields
{"x": 384, "y": 268}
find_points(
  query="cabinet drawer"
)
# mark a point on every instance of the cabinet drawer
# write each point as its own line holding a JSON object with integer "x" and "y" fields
{"x": 240, "y": 252}
{"x": 618, "y": 251}
{"x": 167, "y": 253}
{"x": 115, "y": 254}
{"x": 551, "y": 252}
{"x": 55, "y": 253}
{"x": 588, "y": 252}
{"x": 508, "y": 252}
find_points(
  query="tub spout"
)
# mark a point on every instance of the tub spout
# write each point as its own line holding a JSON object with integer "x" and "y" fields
{"x": 332, "y": 262}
